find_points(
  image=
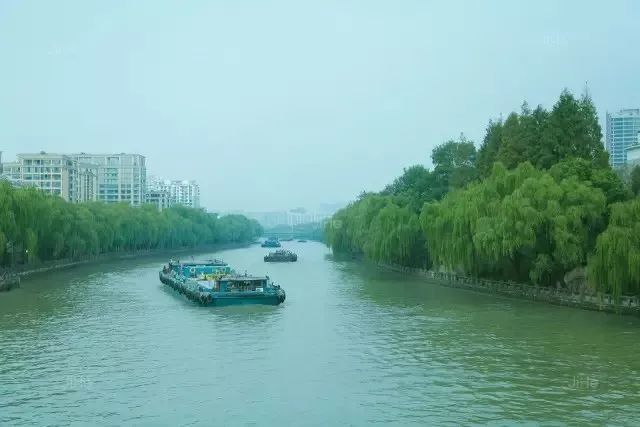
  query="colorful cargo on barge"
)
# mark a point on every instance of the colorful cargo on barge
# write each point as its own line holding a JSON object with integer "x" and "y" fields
{"x": 214, "y": 283}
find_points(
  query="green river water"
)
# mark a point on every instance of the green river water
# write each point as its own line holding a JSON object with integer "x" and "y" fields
{"x": 351, "y": 345}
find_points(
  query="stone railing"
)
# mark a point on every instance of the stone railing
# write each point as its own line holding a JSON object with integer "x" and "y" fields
{"x": 588, "y": 301}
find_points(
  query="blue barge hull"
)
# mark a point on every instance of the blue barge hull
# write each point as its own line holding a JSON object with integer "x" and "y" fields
{"x": 204, "y": 295}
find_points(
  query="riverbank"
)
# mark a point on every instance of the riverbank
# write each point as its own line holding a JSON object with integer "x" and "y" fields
{"x": 594, "y": 301}
{"x": 46, "y": 267}
{"x": 9, "y": 281}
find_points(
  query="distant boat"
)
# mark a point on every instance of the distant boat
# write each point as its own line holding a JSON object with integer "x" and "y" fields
{"x": 287, "y": 239}
{"x": 271, "y": 242}
{"x": 214, "y": 283}
{"x": 281, "y": 256}
{"x": 302, "y": 241}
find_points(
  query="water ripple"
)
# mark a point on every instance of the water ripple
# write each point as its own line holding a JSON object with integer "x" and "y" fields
{"x": 350, "y": 346}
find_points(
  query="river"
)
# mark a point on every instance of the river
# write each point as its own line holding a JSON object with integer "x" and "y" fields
{"x": 352, "y": 345}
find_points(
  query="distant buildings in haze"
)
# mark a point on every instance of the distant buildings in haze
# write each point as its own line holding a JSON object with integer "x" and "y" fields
{"x": 108, "y": 178}
{"x": 165, "y": 193}
{"x": 291, "y": 217}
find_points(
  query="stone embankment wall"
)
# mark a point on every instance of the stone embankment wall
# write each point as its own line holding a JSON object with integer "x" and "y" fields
{"x": 585, "y": 300}
{"x": 9, "y": 281}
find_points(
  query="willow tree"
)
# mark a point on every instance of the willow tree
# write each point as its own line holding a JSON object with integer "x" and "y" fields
{"x": 395, "y": 237}
{"x": 520, "y": 224}
{"x": 615, "y": 265}
{"x": 348, "y": 230}
{"x": 36, "y": 227}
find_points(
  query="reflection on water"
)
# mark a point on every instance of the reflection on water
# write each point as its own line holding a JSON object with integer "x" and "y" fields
{"x": 350, "y": 346}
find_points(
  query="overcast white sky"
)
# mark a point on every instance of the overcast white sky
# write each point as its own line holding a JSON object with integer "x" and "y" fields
{"x": 277, "y": 104}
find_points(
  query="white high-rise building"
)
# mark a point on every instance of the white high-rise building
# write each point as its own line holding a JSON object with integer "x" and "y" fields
{"x": 622, "y": 132}
{"x": 186, "y": 193}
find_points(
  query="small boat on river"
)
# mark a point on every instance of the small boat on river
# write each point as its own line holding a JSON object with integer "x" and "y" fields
{"x": 214, "y": 283}
{"x": 281, "y": 255}
{"x": 271, "y": 242}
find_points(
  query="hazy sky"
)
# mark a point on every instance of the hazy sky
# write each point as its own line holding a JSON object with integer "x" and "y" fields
{"x": 277, "y": 104}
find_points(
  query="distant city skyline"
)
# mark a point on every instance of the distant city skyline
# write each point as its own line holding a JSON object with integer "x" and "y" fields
{"x": 291, "y": 216}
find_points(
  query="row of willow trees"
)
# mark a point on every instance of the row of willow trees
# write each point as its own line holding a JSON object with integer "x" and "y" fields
{"x": 537, "y": 200}
{"x": 36, "y": 227}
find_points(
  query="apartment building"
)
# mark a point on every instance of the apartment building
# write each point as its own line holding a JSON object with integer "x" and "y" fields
{"x": 161, "y": 199}
{"x": 56, "y": 174}
{"x": 185, "y": 192}
{"x": 119, "y": 177}
{"x": 622, "y": 132}
{"x": 110, "y": 178}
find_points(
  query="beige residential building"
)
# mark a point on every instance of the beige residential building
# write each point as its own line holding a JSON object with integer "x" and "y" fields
{"x": 119, "y": 177}
{"x": 110, "y": 178}
{"x": 56, "y": 174}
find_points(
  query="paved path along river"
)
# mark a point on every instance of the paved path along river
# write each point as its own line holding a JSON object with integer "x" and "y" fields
{"x": 352, "y": 345}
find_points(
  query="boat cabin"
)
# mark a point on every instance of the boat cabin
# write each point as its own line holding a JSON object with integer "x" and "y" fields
{"x": 242, "y": 284}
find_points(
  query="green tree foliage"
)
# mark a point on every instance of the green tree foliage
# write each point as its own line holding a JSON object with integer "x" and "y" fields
{"x": 413, "y": 188}
{"x": 634, "y": 180}
{"x": 600, "y": 177}
{"x": 520, "y": 225}
{"x": 530, "y": 205}
{"x": 395, "y": 237}
{"x": 615, "y": 266}
{"x": 488, "y": 152}
{"x": 349, "y": 228}
{"x": 454, "y": 166}
{"x": 39, "y": 227}
{"x": 572, "y": 130}
{"x": 380, "y": 229}
{"x": 520, "y": 137}
{"x": 513, "y": 148}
